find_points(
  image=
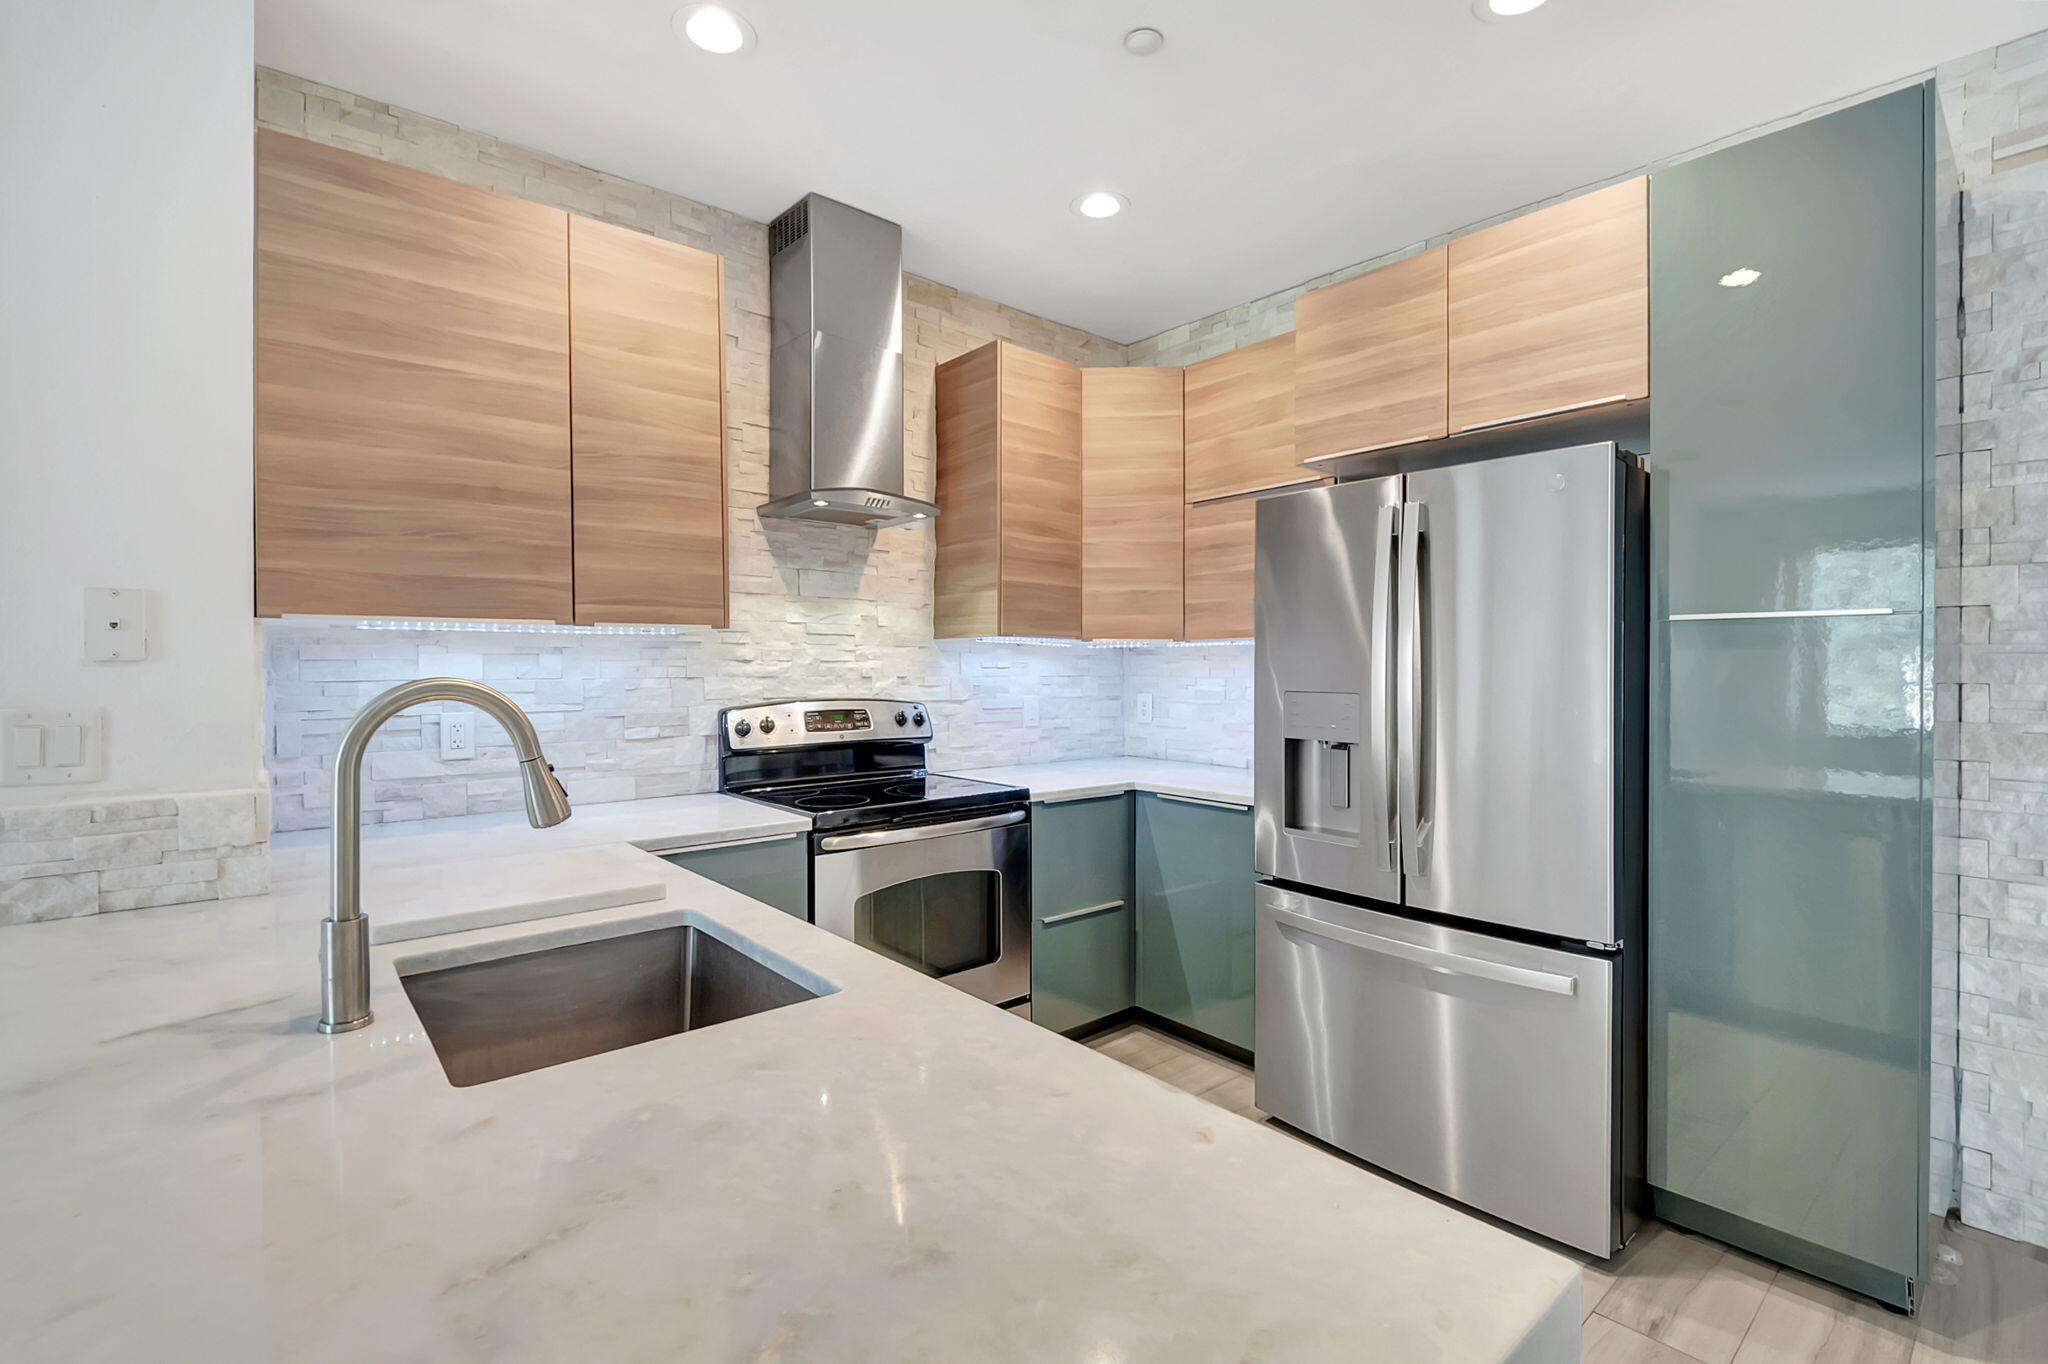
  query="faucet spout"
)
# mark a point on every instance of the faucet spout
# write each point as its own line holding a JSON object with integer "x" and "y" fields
{"x": 345, "y": 933}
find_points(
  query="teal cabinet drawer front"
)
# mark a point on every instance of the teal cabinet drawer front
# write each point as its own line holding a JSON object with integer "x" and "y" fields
{"x": 1081, "y": 882}
{"x": 776, "y": 871}
{"x": 1081, "y": 965}
{"x": 1790, "y": 940}
{"x": 1792, "y": 413}
{"x": 1194, "y": 916}
{"x": 1080, "y": 853}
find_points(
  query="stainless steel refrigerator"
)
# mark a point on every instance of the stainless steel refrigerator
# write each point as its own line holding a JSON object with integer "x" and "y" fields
{"x": 1449, "y": 776}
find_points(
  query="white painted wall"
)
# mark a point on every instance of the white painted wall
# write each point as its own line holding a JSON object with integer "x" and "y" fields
{"x": 125, "y": 221}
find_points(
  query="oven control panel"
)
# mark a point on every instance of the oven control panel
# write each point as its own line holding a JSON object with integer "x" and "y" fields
{"x": 799, "y": 724}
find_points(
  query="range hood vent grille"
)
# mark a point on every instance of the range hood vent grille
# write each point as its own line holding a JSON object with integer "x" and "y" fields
{"x": 792, "y": 227}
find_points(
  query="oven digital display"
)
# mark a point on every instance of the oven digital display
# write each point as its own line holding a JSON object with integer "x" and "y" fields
{"x": 820, "y": 721}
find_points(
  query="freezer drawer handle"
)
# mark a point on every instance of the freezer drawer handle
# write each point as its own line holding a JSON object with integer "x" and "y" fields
{"x": 1451, "y": 963}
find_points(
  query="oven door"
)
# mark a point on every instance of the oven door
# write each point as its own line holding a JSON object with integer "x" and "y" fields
{"x": 952, "y": 900}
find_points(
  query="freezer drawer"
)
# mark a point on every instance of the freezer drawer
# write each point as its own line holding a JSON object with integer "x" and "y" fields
{"x": 1477, "y": 1066}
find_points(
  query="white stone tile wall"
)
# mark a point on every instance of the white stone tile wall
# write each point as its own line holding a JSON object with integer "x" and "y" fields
{"x": 93, "y": 856}
{"x": 1201, "y": 704}
{"x": 1991, "y": 669}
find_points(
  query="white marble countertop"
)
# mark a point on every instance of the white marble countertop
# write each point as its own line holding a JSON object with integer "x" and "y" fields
{"x": 1107, "y": 776}
{"x": 891, "y": 1171}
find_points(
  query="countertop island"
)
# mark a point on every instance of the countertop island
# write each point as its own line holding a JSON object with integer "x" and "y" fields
{"x": 890, "y": 1171}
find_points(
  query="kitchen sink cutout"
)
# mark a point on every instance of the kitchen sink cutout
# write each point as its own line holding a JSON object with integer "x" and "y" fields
{"x": 491, "y": 1019}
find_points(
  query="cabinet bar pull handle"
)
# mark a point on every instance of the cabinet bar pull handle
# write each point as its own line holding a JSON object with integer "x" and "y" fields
{"x": 1545, "y": 412}
{"x": 1264, "y": 488}
{"x": 1072, "y": 914}
{"x": 1785, "y": 615}
{"x": 1198, "y": 800}
{"x": 1089, "y": 795}
{"x": 1364, "y": 449}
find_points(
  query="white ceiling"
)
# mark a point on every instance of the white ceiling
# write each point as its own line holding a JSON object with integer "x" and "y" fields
{"x": 1270, "y": 141}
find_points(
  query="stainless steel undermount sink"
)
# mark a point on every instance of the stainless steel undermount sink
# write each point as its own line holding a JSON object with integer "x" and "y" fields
{"x": 491, "y": 1019}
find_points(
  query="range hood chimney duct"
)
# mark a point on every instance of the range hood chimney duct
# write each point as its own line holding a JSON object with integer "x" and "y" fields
{"x": 835, "y": 372}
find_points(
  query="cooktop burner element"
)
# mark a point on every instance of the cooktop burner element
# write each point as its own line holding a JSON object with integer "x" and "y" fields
{"x": 830, "y": 801}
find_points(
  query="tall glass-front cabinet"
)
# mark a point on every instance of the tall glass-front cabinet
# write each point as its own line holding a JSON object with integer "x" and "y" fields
{"x": 1791, "y": 288}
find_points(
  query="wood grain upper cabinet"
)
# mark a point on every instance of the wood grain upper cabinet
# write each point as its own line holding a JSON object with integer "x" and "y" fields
{"x": 1240, "y": 421}
{"x": 647, "y": 416}
{"x": 412, "y": 393}
{"x": 1131, "y": 503}
{"x": 1550, "y": 311}
{"x": 1220, "y": 540}
{"x": 1009, "y": 494}
{"x": 1369, "y": 359}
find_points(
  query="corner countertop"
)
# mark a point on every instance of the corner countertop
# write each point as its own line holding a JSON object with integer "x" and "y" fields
{"x": 1077, "y": 778}
{"x": 893, "y": 1170}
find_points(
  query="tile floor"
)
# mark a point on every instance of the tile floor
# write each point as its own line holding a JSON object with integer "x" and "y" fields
{"x": 1674, "y": 1298}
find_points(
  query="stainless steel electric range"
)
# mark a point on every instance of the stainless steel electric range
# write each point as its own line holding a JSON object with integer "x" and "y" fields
{"x": 929, "y": 870}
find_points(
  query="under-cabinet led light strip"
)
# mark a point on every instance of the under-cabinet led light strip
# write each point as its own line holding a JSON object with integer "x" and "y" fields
{"x": 1110, "y": 643}
{"x": 512, "y": 627}
{"x": 1785, "y": 615}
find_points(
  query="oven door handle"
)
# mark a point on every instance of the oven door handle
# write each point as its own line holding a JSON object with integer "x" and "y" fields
{"x": 882, "y": 838}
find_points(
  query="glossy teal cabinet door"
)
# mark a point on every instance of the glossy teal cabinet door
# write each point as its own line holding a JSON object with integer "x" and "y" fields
{"x": 1790, "y": 938}
{"x": 1791, "y": 820}
{"x": 1790, "y": 415}
{"x": 775, "y": 871}
{"x": 1195, "y": 883}
{"x": 1081, "y": 939}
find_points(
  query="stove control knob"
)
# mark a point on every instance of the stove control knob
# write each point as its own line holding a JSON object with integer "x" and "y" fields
{"x": 901, "y": 718}
{"x": 917, "y": 718}
{"x": 743, "y": 729}
{"x": 767, "y": 724}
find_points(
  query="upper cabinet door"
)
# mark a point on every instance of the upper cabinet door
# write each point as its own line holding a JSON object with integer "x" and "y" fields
{"x": 1221, "y": 545}
{"x": 1131, "y": 503}
{"x": 1369, "y": 359}
{"x": 1041, "y": 495}
{"x": 1009, "y": 493}
{"x": 1240, "y": 421}
{"x": 412, "y": 393}
{"x": 1550, "y": 311}
{"x": 648, "y": 428}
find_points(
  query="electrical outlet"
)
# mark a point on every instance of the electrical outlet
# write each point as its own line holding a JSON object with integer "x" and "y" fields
{"x": 458, "y": 735}
{"x": 1144, "y": 705}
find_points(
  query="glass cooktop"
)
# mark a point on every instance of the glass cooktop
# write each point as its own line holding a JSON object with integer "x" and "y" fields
{"x": 897, "y": 797}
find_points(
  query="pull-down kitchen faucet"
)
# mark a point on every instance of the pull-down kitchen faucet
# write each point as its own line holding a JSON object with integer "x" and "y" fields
{"x": 345, "y": 933}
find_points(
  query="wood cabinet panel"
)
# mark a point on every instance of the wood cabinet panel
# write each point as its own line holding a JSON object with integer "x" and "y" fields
{"x": 1239, "y": 410}
{"x": 1551, "y": 310}
{"x": 968, "y": 567}
{"x": 1009, "y": 494}
{"x": 647, "y": 417}
{"x": 1218, "y": 579}
{"x": 1040, "y": 494}
{"x": 1131, "y": 503}
{"x": 1370, "y": 358}
{"x": 412, "y": 393}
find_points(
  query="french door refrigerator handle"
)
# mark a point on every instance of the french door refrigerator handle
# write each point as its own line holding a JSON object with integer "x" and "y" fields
{"x": 1432, "y": 958}
{"x": 1380, "y": 716}
{"x": 1416, "y": 680}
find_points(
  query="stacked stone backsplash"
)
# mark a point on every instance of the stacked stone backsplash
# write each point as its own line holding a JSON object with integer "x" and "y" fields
{"x": 92, "y": 856}
{"x": 1201, "y": 704}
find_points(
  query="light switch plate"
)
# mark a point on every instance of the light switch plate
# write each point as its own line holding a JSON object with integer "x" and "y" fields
{"x": 51, "y": 747}
{"x": 116, "y": 625}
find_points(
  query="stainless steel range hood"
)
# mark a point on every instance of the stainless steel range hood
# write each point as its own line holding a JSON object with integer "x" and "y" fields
{"x": 835, "y": 375}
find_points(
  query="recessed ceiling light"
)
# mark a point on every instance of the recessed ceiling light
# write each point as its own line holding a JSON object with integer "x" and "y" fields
{"x": 714, "y": 28}
{"x": 1508, "y": 9}
{"x": 1143, "y": 42}
{"x": 1100, "y": 204}
{"x": 1735, "y": 279}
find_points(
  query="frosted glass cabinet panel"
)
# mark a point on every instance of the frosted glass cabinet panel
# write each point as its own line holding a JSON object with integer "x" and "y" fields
{"x": 1791, "y": 410}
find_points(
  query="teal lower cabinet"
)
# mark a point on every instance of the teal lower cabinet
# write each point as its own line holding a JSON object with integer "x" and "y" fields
{"x": 775, "y": 870}
{"x": 1194, "y": 915}
{"x": 1081, "y": 941}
